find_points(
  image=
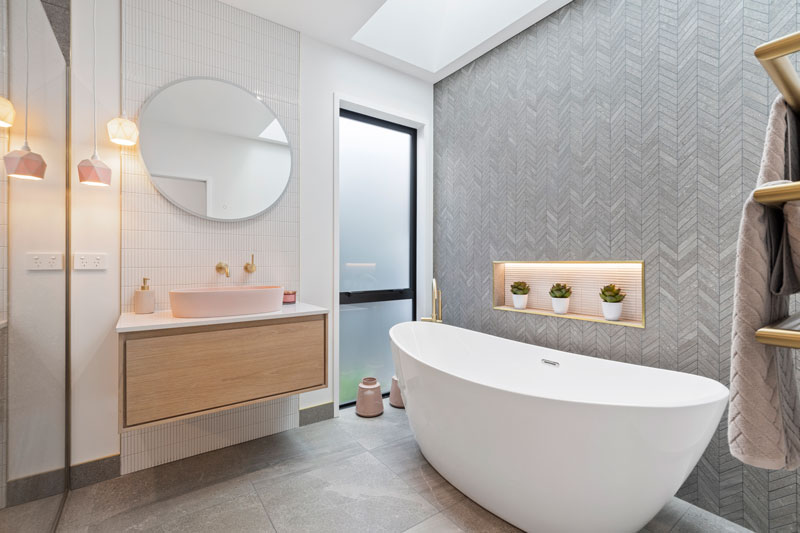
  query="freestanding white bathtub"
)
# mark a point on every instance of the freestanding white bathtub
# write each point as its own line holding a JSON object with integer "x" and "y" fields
{"x": 548, "y": 440}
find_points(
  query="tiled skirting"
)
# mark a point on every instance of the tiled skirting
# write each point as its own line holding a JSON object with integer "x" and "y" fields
{"x": 35, "y": 487}
{"x": 318, "y": 413}
{"x": 92, "y": 472}
{"x": 170, "y": 441}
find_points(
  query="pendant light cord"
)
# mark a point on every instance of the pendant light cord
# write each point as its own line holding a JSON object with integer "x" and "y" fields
{"x": 122, "y": 58}
{"x": 27, "y": 71}
{"x": 94, "y": 76}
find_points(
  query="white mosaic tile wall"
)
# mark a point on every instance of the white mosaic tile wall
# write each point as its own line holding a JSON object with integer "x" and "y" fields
{"x": 156, "y": 445}
{"x": 164, "y": 41}
{"x": 167, "y": 40}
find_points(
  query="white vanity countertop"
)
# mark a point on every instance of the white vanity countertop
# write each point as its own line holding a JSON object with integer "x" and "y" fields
{"x": 164, "y": 320}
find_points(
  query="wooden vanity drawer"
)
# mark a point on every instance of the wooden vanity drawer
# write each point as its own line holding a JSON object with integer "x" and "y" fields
{"x": 168, "y": 374}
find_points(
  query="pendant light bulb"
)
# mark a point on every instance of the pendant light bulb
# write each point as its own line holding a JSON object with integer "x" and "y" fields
{"x": 92, "y": 171}
{"x": 7, "y": 113}
{"x": 23, "y": 163}
{"x": 122, "y": 130}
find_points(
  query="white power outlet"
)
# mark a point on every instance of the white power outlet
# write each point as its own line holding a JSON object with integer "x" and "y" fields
{"x": 90, "y": 261}
{"x": 44, "y": 261}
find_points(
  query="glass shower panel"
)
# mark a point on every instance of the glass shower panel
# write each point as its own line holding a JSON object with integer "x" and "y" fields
{"x": 374, "y": 206}
{"x": 33, "y": 304}
{"x": 364, "y": 343}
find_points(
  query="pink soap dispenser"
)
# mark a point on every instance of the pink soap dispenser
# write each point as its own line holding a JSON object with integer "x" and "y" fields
{"x": 144, "y": 300}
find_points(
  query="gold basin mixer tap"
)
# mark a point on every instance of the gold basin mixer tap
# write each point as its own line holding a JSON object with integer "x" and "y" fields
{"x": 251, "y": 266}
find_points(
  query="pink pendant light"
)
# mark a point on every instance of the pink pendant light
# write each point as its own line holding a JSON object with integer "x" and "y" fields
{"x": 23, "y": 163}
{"x": 92, "y": 171}
{"x": 122, "y": 130}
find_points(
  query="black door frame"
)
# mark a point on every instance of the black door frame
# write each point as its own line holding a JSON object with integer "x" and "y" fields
{"x": 409, "y": 293}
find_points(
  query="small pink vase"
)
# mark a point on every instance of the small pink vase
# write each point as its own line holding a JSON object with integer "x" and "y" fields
{"x": 369, "y": 402}
{"x": 395, "y": 398}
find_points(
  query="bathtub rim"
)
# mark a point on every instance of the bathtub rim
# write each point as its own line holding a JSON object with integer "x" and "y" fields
{"x": 710, "y": 399}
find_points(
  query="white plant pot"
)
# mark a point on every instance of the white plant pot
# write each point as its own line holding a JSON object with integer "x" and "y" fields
{"x": 612, "y": 310}
{"x": 520, "y": 301}
{"x": 560, "y": 305}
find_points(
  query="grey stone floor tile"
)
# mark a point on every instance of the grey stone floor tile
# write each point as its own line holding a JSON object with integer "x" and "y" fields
{"x": 391, "y": 426}
{"x": 323, "y": 437}
{"x": 315, "y": 478}
{"x": 438, "y": 523}
{"x": 152, "y": 515}
{"x": 697, "y": 520}
{"x": 240, "y": 515}
{"x": 305, "y": 462}
{"x": 356, "y": 494}
{"x": 405, "y": 459}
{"x": 31, "y": 517}
{"x": 668, "y": 517}
{"x": 471, "y": 517}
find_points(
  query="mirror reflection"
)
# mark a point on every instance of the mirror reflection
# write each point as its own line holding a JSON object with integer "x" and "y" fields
{"x": 33, "y": 304}
{"x": 214, "y": 149}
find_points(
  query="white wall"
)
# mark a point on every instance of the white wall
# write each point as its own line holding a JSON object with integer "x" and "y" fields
{"x": 37, "y": 215}
{"x": 329, "y": 75}
{"x": 95, "y": 228}
{"x": 324, "y": 70}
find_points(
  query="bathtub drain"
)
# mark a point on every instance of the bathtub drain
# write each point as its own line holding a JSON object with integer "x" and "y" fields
{"x": 549, "y": 362}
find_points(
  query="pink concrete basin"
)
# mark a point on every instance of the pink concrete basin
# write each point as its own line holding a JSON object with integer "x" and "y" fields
{"x": 225, "y": 301}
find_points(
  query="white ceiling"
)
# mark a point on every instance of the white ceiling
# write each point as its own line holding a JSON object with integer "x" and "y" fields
{"x": 429, "y": 39}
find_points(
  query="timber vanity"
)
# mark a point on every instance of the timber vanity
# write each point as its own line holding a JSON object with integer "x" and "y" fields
{"x": 172, "y": 368}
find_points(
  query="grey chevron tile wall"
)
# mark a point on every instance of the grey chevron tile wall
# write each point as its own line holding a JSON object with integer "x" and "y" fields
{"x": 618, "y": 129}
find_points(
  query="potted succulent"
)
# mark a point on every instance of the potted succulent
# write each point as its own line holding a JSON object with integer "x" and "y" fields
{"x": 612, "y": 298}
{"x": 559, "y": 295}
{"x": 519, "y": 293}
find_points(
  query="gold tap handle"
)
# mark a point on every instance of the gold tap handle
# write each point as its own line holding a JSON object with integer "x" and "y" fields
{"x": 439, "y": 315}
{"x": 251, "y": 266}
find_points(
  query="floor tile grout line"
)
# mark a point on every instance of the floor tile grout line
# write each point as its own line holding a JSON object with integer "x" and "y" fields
{"x": 264, "y": 506}
{"x": 680, "y": 518}
{"x": 453, "y": 504}
{"x": 302, "y": 471}
{"x": 437, "y": 513}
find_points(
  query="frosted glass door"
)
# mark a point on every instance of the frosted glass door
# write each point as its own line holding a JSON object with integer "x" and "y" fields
{"x": 377, "y": 240}
{"x": 364, "y": 343}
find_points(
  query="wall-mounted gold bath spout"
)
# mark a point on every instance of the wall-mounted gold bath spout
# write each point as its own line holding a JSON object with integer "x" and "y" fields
{"x": 222, "y": 268}
{"x": 436, "y": 305}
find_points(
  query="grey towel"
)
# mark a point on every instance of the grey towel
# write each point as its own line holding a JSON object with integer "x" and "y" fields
{"x": 764, "y": 412}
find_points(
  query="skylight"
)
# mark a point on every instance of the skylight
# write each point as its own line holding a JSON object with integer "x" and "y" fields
{"x": 431, "y": 34}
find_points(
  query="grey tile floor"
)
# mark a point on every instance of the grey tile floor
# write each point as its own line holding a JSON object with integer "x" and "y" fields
{"x": 36, "y": 516}
{"x": 348, "y": 474}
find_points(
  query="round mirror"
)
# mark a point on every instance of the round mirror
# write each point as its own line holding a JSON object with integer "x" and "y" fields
{"x": 214, "y": 149}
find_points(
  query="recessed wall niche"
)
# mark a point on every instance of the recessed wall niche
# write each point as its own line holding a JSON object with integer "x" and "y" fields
{"x": 586, "y": 279}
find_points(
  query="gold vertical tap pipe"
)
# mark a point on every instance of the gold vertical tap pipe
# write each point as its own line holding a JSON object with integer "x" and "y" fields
{"x": 434, "y": 295}
{"x": 436, "y": 304}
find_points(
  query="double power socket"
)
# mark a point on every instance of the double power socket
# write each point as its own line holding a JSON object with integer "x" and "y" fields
{"x": 55, "y": 261}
